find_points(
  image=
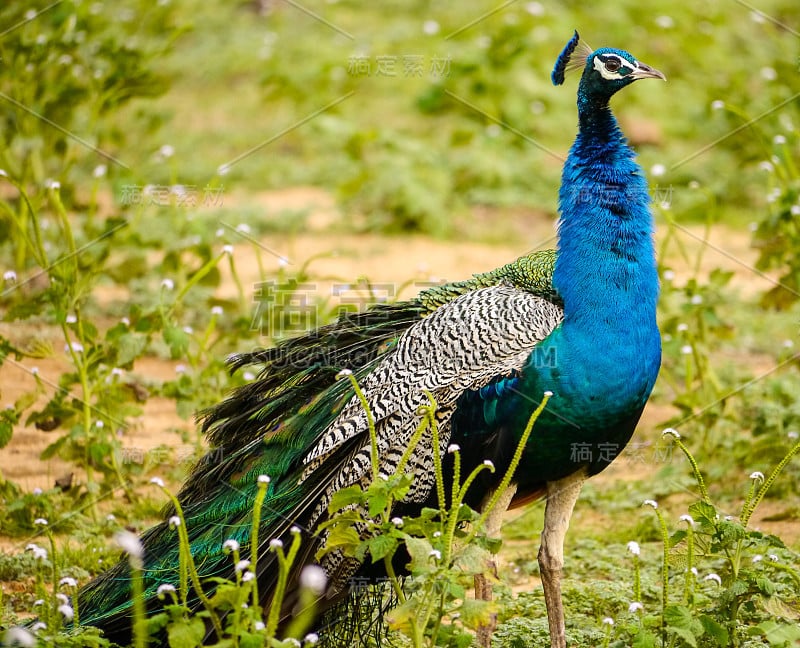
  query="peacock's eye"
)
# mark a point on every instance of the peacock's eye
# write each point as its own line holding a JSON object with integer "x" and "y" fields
{"x": 612, "y": 64}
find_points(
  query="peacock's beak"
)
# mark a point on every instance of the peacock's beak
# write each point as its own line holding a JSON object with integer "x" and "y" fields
{"x": 643, "y": 71}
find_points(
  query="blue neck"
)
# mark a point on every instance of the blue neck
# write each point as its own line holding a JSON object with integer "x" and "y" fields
{"x": 605, "y": 268}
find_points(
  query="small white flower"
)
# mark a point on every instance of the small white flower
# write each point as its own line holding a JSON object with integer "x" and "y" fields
{"x": 548, "y": 394}
{"x": 188, "y": 329}
{"x": 77, "y": 347}
{"x": 126, "y": 321}
{"x": 39, "y": 625}
{"x": 167, "y": 284}
{"x": 223, "y": 169}
{"x": 729, "y": 518}
{"x": 37, "y": 491}
{"x": 294, "y": 530}
{"x": 688, "y": 519}
{"x": 489, "y": 464}
{"x": 163, "y": 589}
{"x": 283, "y": 262}
{"x": 69, "y": 582}
{"x": 658, "y": 170}
{"x": 794, "y": 210}
{"x": 453, "y": 447}
{"x": 758, "y": 558}
{"x": 3, "y": 173}
{"x": 757, "y": 476}
{"x": 718, "y": 104}
{"x": 713, "y": 577}
{"x": 63, "y": 598}
{"x": 242, "y": 565}
{"x": 129, "y": 543}
{"x": 180, "y": 368}
{"x": 313, "y": 578}
{"x": 111, "y": 517}
{"x": 437, "y": 534}
{"x": 293, "y": 642}
{"x": 397, "y": 521}
{"x": 264, "y": 479}
{"x": 682, "y": 327}
{"x": 248, "y": 576}
{"x": 18, "y": 636}
{"x": 773, "y": 557}
{"x": 52, "y": 184}
{"x": 38, "y": 602}
{"x": 697, "y": 299}
{"x": 430, "y": 27}
{"x": 10, "y": 276}
{"x": 166, "y": 151}
{"x": 686, "y": 349}
{"x": 344, "y": 373}
{"x": 100, "y": 170}
{"x": 275, "y": 543}
{"x": 779, "y": 139}
{"x": 248, "y": 375}
{"x": 665, "y": 22}
{"x": 768, "y": 73}
{"x": 40, "y": 522}
{"x": 608, "y": 621}
{"x": 174, "y": 522}
{"x": 230, "y": 545}
{"x": 435, "y": 554}
{"x": 67, "y": 611}
{"x": 157, "y": 481}
{"x": 635, "y": 607}
{"x": 312, "y": 638}
{"x": 671, "y": 432}
{"x": 259, "y": 625}
{"x": 99, "y": 424}
{"x": 634, "y": 548}
{"x": 244, "y": 228}
{"x": 227, "y": 249}
{"x": 534, "y": 8}
{"x": 765, "y": 166}
{"x": 649, "y": 502}
{"x": 694, "y": 571}
{"x": 793, "y": 434}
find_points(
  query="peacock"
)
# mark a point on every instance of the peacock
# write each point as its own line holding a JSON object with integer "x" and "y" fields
{"x": 577, "y": 324}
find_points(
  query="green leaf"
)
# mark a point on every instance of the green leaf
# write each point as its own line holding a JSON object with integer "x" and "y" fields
{"x": 715, "y": 630}
{"x": 678, "y": 616}
{"x": 345, "y": 497}
{"x": 6, "y": 430}
{"x": 129, "y": 346}
{"x": 178, "y": 341}
{"x": 472, "y": 559}
{"x": 476, "y": 612}
{"x": 381, "y": 546}
{"x": 187, "y": 633}
{"x": 644, "y": 639}
{"x": 685, "y": 634}
{"x": 420, "y": 550}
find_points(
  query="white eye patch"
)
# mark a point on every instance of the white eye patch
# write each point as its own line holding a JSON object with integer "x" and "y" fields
{"x": 624, "y": 69}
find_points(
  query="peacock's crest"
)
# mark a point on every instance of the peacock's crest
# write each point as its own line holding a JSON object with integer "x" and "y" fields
{"x": 572, "y": 57}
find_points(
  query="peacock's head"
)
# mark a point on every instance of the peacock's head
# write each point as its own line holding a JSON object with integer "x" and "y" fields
{"x": 605, "y": 71}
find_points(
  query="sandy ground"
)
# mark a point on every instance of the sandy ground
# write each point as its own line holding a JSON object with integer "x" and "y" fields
{"x": 392, "y": 260}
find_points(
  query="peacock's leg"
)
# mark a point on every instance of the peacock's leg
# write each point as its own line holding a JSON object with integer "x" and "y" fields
{"x": 561, "y": 498}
